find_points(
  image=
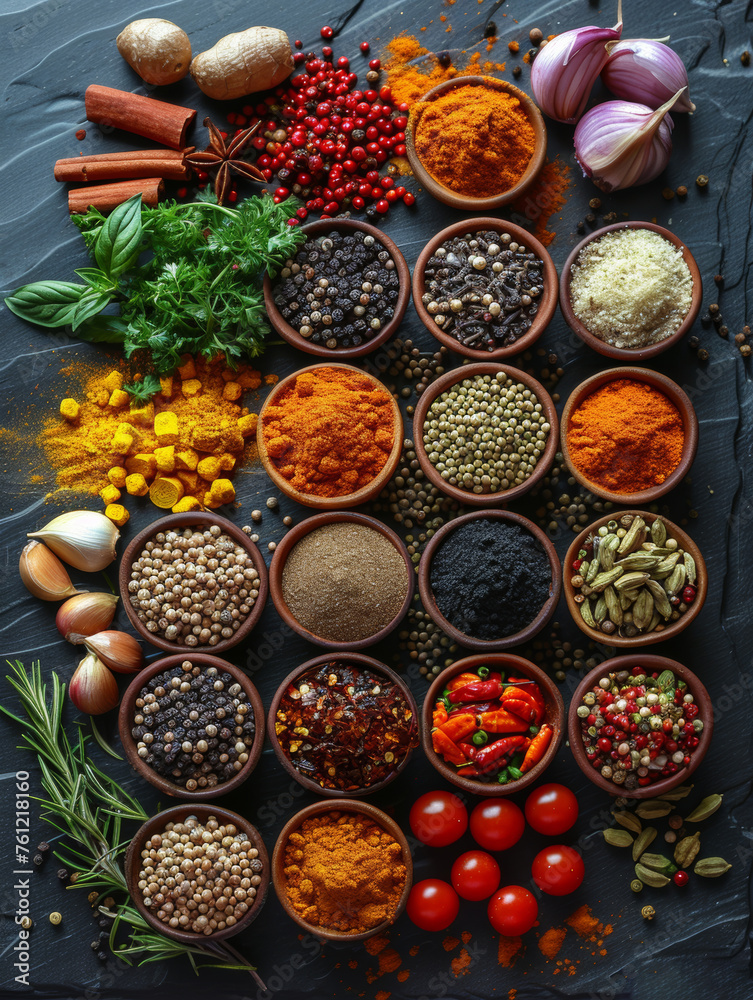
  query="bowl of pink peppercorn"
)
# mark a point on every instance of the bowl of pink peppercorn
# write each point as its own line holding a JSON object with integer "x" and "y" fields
{"x": 640, "y": 725}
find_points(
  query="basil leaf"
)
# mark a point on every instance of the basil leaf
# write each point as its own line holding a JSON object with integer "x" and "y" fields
{"x": 91, "y": 303}
{"x": 95, "y": 278}
{"x": 119, "y": 241}
{"x": 48, "y": 303}
{"x": 103, "y": 330}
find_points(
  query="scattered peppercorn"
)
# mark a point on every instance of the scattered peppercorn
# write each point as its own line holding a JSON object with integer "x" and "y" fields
{"x": 648, "y": 912}
{"x": 62, "y": 874}
{"x": 272, "y": 503}
{"x": 272, "y": 546}
{"x": 595, "y": 204}
{"x": 745, "y": 350}
{"x": 287, "y": 520}
{"x": 38, "y": 859}
{"x": 444, "y": 59}
{"x": 681, "y": 191}
{"x": 43, "y": 847}
{"x": 590, "y": 218}
{"x": 714, "y": 308}
{"x": 516, "y": 71}
{"x": 610, "y": 217}
{"x": 702, "y": 180}
{"x": 56, "y": 918}
{"x": 536, "y": 36}
{"x": 703, "y": 355}
{"x": 636, "y": 885}
{"x": 693, "y": 343}
{"x": 26, "y": 922}
{"x": 256, "y": 515}
{"x": 667, "y": 194}
{"x": 745, "y": 58}
{"x": 719, "y": 279}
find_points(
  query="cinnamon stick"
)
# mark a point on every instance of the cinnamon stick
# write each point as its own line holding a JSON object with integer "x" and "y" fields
{"x": 105, "y": 197}
{"x": 144, "y": 116}
{"x": 166, "y": 163}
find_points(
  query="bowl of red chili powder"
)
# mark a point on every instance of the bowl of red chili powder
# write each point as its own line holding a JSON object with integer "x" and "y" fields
{"x": 629, "y": 435}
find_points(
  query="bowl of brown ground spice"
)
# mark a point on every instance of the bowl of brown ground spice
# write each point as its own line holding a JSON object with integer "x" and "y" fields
{"x": 476, "y": 143}
{"x": 343, "y": 872}
{"x": 630, "y": 290}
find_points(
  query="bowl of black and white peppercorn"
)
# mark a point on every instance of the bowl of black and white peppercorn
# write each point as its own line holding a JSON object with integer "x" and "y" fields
{"x": 192, "y": 725}
{"x": 343, "y": 294}
{"x": 193, "y": 581}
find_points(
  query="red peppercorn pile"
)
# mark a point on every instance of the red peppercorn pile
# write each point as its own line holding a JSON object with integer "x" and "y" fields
{"x": 325, "y": 140}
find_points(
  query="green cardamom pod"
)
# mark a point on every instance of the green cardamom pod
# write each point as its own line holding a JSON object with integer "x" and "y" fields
{"x": 655, "y": 879}
{"x": 639, "y": 560}
{"x": 661, "y": 600}
{"x": 607, "y": 551}
{"x": 704, "y": 809}
{"x": 629, "y": 820}
{"x": 630, "y": 581}
{"x": 687, "y": 849}
{"x": 602, "y": 580}
{"x": 643, "y": 841}
{"x": 593, "y": 568}
{"x": 690, "y": 567}
{"x": 676, "y": 580}
{"x": 617, "y": 838}
{"x": 613, "y": 605}
{"x": 643, "y": 609}
{"x": 654, "y": 809}
{"x": 666, "y": 566}
{"x": 711, "y": 867}
{"x": 583, "y": 568}
{"x": 633, "y": 537}
{"x": 666, "y": 680}
{"x": 676, "y": 794}
{"x": 658, "y": 531}
{"x": 658, "y": 863}
{"x": 586, "y": 615}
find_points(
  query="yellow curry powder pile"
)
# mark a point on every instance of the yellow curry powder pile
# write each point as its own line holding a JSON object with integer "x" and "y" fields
{"x": 180, "y": 447}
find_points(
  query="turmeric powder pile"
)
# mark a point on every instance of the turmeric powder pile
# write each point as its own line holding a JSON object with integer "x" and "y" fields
{"x": 343, "y": 872}
{"x": 181, "y": 447}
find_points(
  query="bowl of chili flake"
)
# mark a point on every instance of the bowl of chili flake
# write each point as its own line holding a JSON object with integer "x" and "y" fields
{"x": 492, "y": 723}
{"x": 343, "y": 724}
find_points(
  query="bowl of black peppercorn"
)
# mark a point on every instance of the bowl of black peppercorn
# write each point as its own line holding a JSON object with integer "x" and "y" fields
{"x": 357, "y": 280}
{"x": 192, "y": 725}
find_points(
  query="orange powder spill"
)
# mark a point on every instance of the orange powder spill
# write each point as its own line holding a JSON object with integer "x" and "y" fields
{"x": 460, "y": 965}
{"x": 466, "y": 936}
{"x": 403, "y": 975}
{"x": 450, "y": 942}
{"x": 584, "y": 923}
{"x": 376, "y": 944}
{"x": 352, "y": 964}
{"x": 550, "y": 941}
{"x": 547, "y": 196}
{"x": 414, "y": 950}
{"x": 509, "y": 948}
{"x": 383, "y": 995}
{"x": 389, "y": 961}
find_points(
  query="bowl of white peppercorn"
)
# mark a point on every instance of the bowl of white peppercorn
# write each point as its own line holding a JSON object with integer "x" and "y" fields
{"x": 217, "y": 835}
{"x": 500, "y": 413}
{"x": 485, "y": 288}
{"x": 351, "y": 295}
{"x": 203, "y": 748}
{"x": 193, "y": 581}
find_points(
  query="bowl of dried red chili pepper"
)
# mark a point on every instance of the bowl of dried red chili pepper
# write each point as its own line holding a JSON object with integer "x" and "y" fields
{"x": 640, "y": 725}
{"x": 492, "y": 723}
{"x": 343, "y": 725}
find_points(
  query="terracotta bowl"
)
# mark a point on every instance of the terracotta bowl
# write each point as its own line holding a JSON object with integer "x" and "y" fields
{"x": 445, "y": 194}
{"x": 647, "y": 638}
{"x": 652, "y": 664}
{"x": 368, "y": 492}
{"x": 128, "y": 710}
{"x": 357, "y": 659}
{"x": 291, "y": 539}
{"x": 555, "y": 716}
{"x": 176, "y": 522}
{"x": 452, "y": 378}
{"x": 317, "y": 809}
{"x": 487, "y": 645}
{"x": 673, "y": 392}
{"x": 635, "y": 353}
{"x": 202, "y": 812}
{"x": 547, "y": 301}
{"x": 293, "y": 337}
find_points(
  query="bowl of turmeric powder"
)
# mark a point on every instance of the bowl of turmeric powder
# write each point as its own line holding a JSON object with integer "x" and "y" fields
{"x": 476, "y": 143}
{"x": 342, "y": 872}
{"x": 330, "y": 436}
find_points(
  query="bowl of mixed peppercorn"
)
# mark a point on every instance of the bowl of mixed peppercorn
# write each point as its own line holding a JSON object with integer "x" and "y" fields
{"x": 639, "y": 725}
{"x": 492, "y": 723}
{"x": 192, "y": 725}
{"x": 343, "y": 725}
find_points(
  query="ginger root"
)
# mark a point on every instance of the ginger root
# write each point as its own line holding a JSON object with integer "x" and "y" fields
{"x": 158, "y": 50}
{"x": 243, "y": 63}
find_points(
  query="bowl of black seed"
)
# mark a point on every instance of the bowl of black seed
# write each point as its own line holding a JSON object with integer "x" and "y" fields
{"x": 485, "y": 288}
{"x": 192, "y": 726}
{"x": 193, "y": 581}
{"x": 490, "y": 579}
{"x": 343, "y": 294}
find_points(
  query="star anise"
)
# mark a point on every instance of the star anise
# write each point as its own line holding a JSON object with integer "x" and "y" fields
{"x": 222, "y": 155}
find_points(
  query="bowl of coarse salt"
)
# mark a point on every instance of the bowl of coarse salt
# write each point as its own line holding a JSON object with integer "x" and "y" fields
{"x": 630, "y": 290}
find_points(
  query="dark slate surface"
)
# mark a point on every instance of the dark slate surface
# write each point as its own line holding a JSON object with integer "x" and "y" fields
{"x": 51, "y": 52}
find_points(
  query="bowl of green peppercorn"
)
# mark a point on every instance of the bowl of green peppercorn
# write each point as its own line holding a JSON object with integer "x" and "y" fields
{"x": 485, "y": 434}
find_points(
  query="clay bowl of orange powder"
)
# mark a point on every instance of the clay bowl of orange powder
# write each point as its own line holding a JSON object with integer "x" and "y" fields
{"x": 629, "y": 435}
{"x": 457, "y": 121}
{"x": 330, "y": 436}
{"x": 357, "y": 885}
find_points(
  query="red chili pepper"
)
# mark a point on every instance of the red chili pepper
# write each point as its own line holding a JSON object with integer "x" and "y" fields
{"x": 501, "y": 721}
{"x": 469, "y": 771}
{"x": 497, "y": 754}
{"x": 446, "y": 749}
{"x": 523, "y": 709}
{"x": 480, "y": 706}
{"x": 469, "y": 750}
{"x": 537, "y": 747}
{"x": 459, "y": 726}
{"x": 440, "y": 714}
{"x": 477, "y": 691}
{"x": 530, "y": 693}
{"x": 460, "y": 680}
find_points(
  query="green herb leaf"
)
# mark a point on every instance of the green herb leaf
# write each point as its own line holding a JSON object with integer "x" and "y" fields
{"x": 119, "y": 242}
{"x": 95, "y": 278}
{"x": 48, "y": 303}
{"x": 142, "y": 390}
{"x": 91, "y": 303}
{"x": 103, "y": 330}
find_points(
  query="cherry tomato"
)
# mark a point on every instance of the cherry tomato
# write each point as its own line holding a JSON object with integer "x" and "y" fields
{"x": 432, "y": 904}
{"x": 558, "y": 870}
{"x": 551, "y": 809}
{"x": 438, "y": 818}
{"x": 475, "y": 875}
{"x": 513, "y": 910}
{"x": 497, "y": 824}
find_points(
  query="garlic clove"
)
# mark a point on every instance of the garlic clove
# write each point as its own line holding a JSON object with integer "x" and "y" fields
{"x": 85, "y": 615}
{"x": 43, "y": 574}
{"x": 82, "y": 538}
{"x": 647, "y": 71}
{"x": 564, "y": 72}
{"x": 93, "y": 689}
{"x": 117, "y": 650}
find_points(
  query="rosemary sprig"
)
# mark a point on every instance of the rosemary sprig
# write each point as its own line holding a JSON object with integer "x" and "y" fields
{"x": 89, "y": 807}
